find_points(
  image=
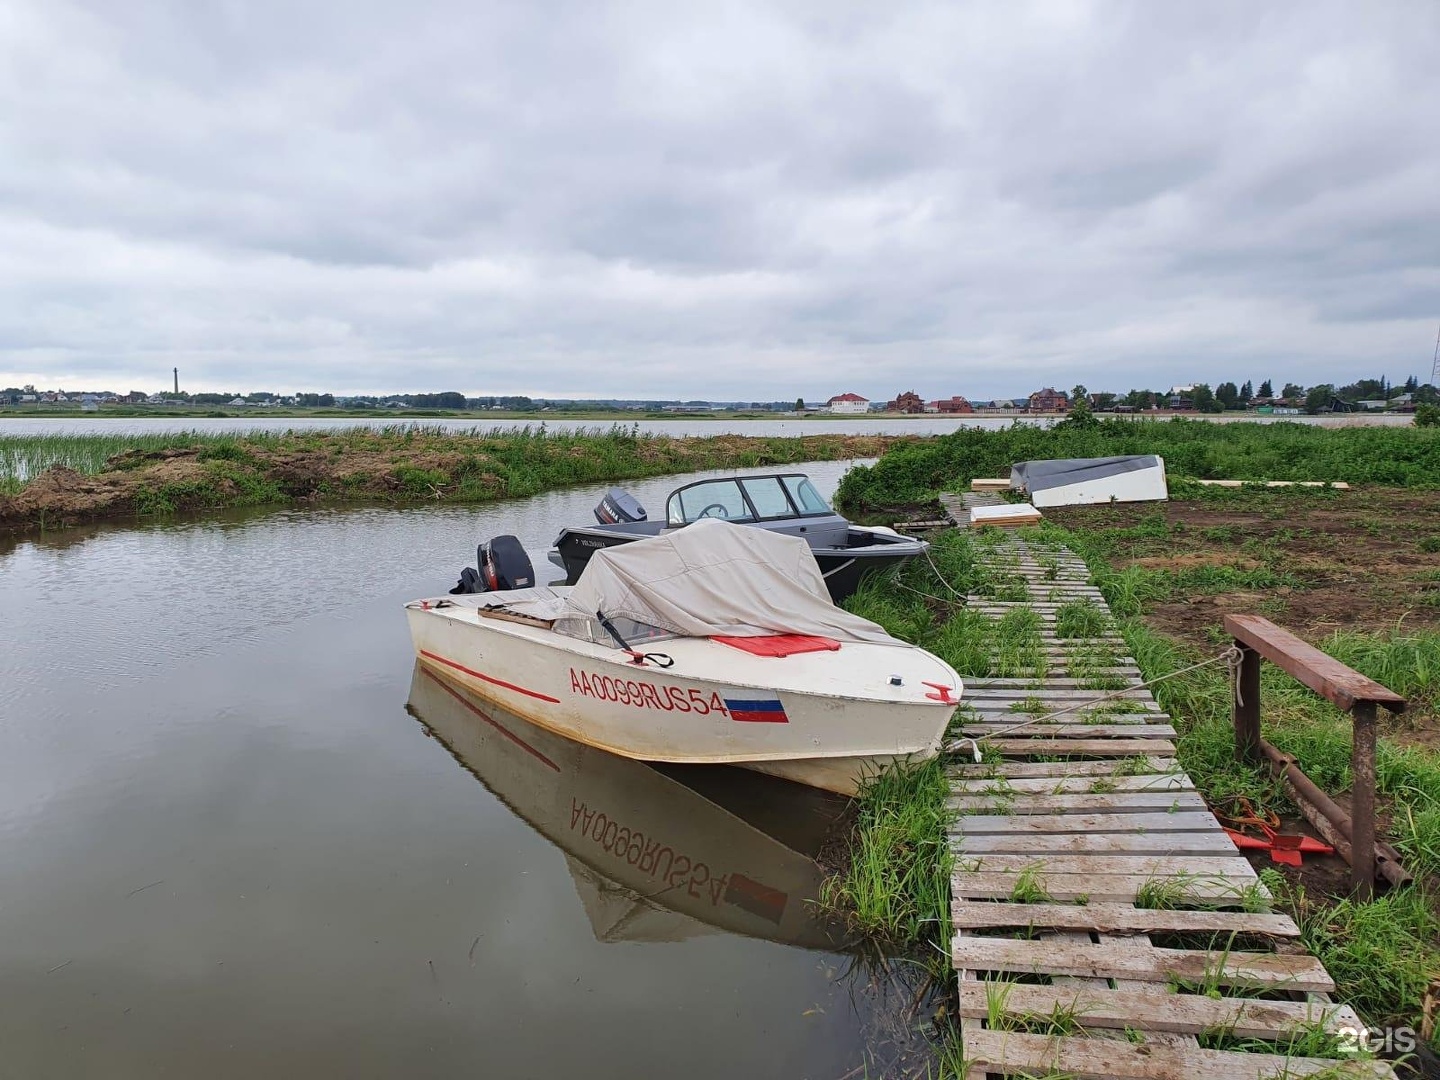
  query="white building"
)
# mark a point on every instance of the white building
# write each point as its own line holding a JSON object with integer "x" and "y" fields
{"x": 848, "y": 403}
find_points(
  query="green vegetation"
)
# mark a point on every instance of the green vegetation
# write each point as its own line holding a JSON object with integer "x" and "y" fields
{"x": 896, "y": 890}
{"x": 158, "y": 474}
{"x": 1382, "y": 954}
{"x": 1168, "y": 574}
{"x": 1403, "y": 457}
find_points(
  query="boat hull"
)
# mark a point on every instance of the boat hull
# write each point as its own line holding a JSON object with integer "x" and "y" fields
{"x": 715, "y": 706}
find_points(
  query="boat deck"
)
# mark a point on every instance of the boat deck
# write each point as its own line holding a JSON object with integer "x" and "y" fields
{"x": 1103, "y": 920}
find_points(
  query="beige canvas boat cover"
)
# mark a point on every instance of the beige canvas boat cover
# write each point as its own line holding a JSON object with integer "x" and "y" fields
{"x": 712, "y": 578}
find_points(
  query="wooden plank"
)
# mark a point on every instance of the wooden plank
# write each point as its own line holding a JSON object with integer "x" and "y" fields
{"x": 1071, "y": 785}
{"x": 1152, "y": 1009}
{"x": 1109, "y": 960}
{"x": 1118, "y": 918}
{"x": 1090, "y": 747}
{"x": 1233, "y": 866}
{"x": 1117, "y": 802}
{"x": 1099, "y": 888}
{"x": 1074, "y": 731}
{"x": 1214, "y": 842}
{"x": 1058, "y": 682}
{"x": 1097, "y": 1059}
{"x": 1322, "y": 673}
{"x": 1063, "y": 696}
{"x": 1181, "y": 821}
{"x": 1032, "y": 769}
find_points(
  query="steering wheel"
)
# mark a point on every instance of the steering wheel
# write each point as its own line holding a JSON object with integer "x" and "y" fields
{"x": 723, "y": 513}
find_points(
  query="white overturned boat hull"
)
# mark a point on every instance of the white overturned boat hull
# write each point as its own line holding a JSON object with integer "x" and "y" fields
{"x": 826, "y": 719}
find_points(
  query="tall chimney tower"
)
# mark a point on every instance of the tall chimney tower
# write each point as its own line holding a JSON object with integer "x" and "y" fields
{"x": 177, "y": 380}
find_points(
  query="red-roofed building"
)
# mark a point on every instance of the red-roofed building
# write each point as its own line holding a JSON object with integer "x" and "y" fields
{"x": 848, "y": 403}
{"x": 1049, "y": 400}
{"x": 956, "y": 404}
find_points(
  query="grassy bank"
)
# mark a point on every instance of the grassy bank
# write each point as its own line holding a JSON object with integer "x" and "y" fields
{"x": 1402, "y": 457}
{"x": 1326, "y": 564}
{"x": 52, "y": 480}
{"x": 1384, "y": 955}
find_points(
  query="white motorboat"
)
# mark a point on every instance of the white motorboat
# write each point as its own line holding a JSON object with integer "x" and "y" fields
{"x": 712, "y": 644}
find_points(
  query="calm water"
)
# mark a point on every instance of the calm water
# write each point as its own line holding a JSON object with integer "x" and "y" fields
{"x": 859, "y": 425}
{"x": 228, "y": 849}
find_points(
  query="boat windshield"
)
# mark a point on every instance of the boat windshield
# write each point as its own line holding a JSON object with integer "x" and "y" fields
{"x": 745, "y": 499}
{"x": 635, "y": 633}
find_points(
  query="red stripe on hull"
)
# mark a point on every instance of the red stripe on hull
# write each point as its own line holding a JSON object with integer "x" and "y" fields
{"x": 766, "y": 717}
{"x": 490, "y": 679}
{"x": 491, "y": 720}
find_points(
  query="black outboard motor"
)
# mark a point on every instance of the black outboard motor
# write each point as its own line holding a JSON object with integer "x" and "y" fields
{"x": 618, "y": 506}
{"x": 503, "y": 565}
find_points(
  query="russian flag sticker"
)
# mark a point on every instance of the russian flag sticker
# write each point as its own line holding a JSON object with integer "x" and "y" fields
{"x": 757, "y": 712}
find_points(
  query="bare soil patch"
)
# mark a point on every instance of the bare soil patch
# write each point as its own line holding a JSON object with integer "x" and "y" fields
{"x": 1358, "y": 558}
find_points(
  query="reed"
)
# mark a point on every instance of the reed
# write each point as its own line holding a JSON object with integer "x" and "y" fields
{"x": 147, "y": 474}
{"x": 895, "y": 891}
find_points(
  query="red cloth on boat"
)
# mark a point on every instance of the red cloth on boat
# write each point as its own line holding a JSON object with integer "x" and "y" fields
{"x": 780, "y": 644}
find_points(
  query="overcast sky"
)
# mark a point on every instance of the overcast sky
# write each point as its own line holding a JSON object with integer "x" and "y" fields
{"x": 726, "y": 200}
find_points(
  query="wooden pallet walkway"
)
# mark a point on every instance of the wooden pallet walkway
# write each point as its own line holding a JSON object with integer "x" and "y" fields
{"x": 1103, "y": 920}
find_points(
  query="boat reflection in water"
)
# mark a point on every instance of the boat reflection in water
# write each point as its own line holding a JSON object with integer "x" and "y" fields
{"x": 657, "y": 853}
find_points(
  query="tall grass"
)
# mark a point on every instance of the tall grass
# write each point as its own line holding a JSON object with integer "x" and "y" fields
{"x": 896, "y": 889}
{"x": 23, "y": 457}
{"x": 1402, "y": 457}
{"x": 460, "y": 466}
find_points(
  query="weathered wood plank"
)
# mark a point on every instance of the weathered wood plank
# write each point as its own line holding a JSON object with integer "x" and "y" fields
{"x": 1072, "y": 785}
{"x": 1109, "y": 960}
{"x": 1075, "y": 731}
{"x": 1097, "y": 1059}
{"x": 1127, "y": 802}
{"x": 1156, "y": 1010}
{"x": 1118, "y": 918}
{"x": 1061, "y": 682}
{"x": 1198, "y": 843}
{"x": 1091, "y": 747}
{"x": 1169, "y": 866}
{"x": 1152, "y": 765}
{"x": 1322, "y": 673}
{"x": 1100, "y": 888}
{"x": 1066, "y": 696}
{"x": 1180, "y": 821}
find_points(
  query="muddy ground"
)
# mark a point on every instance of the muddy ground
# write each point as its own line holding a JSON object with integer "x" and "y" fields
{"x": 1367, "y": 559}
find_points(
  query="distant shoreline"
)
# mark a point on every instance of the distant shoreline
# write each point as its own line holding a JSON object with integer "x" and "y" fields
{"x": 481, "y": 416}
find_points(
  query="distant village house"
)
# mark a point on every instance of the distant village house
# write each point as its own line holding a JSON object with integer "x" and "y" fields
{"x": 1048, "y": 400}
{"x": 908, "y": 402}
{"x": 956, "y": 404}
{"x": 848, "y": 403}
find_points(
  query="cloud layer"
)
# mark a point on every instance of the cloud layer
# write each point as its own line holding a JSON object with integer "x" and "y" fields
{"x": 733, "y": 201}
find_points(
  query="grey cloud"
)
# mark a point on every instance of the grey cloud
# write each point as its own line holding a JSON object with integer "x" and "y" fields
{"x": 750, "y": 201}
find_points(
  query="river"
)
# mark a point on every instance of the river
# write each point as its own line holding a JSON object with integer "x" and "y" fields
{"x": 857, "y": 425}
{"x": 227, "y": 849}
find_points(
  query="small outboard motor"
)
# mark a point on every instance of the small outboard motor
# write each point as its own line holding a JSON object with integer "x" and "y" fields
{"x": 503, "y": 565}
{"x": 618, "y": 506}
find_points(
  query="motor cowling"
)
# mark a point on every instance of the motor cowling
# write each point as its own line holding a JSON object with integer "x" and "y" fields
{"x": 501, "y": 564}
{"x": 619, "y": 506}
